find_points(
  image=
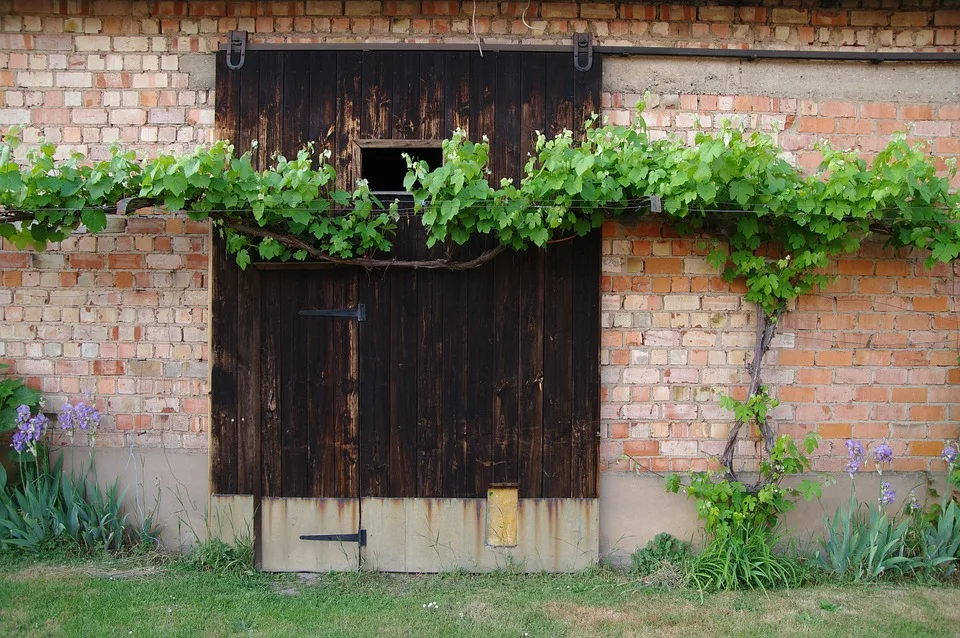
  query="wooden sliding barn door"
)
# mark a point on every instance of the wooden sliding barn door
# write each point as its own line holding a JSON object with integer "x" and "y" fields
{"x": 446, "y": 384}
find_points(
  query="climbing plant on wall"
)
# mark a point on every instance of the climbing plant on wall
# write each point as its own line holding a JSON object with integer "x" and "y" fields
{"x": 772, "y": 224}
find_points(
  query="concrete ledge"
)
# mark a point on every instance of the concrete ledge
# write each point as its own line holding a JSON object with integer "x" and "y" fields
{"x": 853, "y": 81}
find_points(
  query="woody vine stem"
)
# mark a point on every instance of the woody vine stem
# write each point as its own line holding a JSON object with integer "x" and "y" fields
{"x": 773, "y": 226}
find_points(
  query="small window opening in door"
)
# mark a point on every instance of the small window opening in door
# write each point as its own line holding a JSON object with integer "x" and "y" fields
{"x": 383, "y": 166}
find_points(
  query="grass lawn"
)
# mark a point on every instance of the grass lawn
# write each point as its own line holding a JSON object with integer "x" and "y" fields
{"x": 127, "y": 598}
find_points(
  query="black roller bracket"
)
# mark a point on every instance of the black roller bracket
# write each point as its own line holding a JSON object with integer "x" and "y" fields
{"x": 359, "y": 313}
{"x": 582, "y": 46}
{"x": 236, "y": 45}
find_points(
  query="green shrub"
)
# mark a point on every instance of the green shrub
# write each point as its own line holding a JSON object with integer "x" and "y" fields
{"x": 863, "y": 543}
{"x": 215, "y": 555}
{"x": 746, "y": 561}
{"x": 663, "y": 547}
{"x": 940, "y": 542}
{"x": 49, "y": 506}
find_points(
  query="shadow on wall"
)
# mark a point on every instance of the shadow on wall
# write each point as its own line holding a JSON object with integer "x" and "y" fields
{"x": 636, "y": 507}
{"x": 177, "y": 478}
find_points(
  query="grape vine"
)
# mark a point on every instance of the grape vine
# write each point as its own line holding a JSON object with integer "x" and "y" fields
{"x": 771, "y": 224}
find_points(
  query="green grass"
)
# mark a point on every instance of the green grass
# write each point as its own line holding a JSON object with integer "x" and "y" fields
{"x": 82, "y": 597}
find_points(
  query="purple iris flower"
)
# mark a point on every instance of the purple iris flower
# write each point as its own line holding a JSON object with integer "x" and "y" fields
{"x": 857, "y": 455}
{"x": 882, "y": 453}
{"x": 887, "y": 494}
{"x": 949, "y": 454}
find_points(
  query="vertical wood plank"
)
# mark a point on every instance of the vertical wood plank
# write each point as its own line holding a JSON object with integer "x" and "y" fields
{"x": 431, "y": 369}
{"x": 376, "y": 121}
{"x": 483, "y": 95}
{"x": 586, "y": 95}
{"x": 227, "y": 100}
{"x": 271, "y": 105}
{"x": 530, "y": 427}
{"x": 248, "y": 381}
{"x": 348, "y": 424}
{"x": 455, "y": 309}
{"x": 295, "y": 102}
{"x": 480, "y": 371}
{"x": 557, "y": 370}
{"x": 248, "y": 127}
{"x": 293, "y": 385}
{"x": 223, "y": 371}
{"x": 532, "y": 106}
{"x": 506, "y": 322}
{"x": 405, "y": 112}
{"x": 558, "y": 95}
{"x": 505, "y": 143}
{"x": 456, "y": 93}
{"x": 374, "y": 383}
{"x": 432, "y": 96}
{"x": 349, "y": 108}
{"x": 585, "y": 452}
{"x": 270, "y": 366}
{"x": 322, "y": 125}
{"x": 321, "y": 371}
{"x": 403, "y": 369}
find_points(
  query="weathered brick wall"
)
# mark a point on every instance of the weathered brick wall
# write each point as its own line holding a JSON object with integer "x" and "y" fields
{"x": 124, "y": 314}
{"x": 91, "y": 72}
{"x": 874, "y": 356}
{"x": 121, "y": 316}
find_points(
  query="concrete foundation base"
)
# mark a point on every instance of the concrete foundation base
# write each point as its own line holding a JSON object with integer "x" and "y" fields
{"x": 170, "y": 484}
{"x": 633, "y": 508}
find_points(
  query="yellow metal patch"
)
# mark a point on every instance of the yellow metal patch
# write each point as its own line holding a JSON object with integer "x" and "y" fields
{"x": 502, "y": 503}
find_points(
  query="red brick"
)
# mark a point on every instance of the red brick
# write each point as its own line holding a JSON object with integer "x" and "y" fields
{"x": 663, "y": 265}
{"x": 84, "y": 261}
{"x": 108, "y": 367}
{"x": 641, "y": 448}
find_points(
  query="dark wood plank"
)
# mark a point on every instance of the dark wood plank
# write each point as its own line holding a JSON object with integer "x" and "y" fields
{"x": 270, "y": 328}
{"x": 322, "y": 126}
{"x": 558, "y": 95}
{"x": 227, "y": 87}
{"x": 374, "y": 383}
{"x": 456, "y": 93}
{"x": 248, "y": 381}
{"x": 248, "y": 127}
{"x": 430, "y": 374}
{"x": 376, "y": 119}
{"x": 348, "y": 405}
{"x": 223, "y": 375}
{"x": 557, "y": 370}
{"x": 271, "y": 113}
{"x": 532, "y": 106}
{"x": 406, "y": 96}
{"x": 431, "y": 103}
{"x": 349, "y": 108}
{"x": 293, "y": 386}
{"x": 321, "y": 371}
{"x": 530, "y": 426}
{"x": 585, "y": 452}
{"x": 505, "y": 142}
{"x": 586, "y": 95}
{"x": 454, "y": 445}
{"x": 403, "y": 369}
{"x": 506, "y": 348}
{"x": 480, "y": 371}
{"x": 295, "y": 101}
{"x": 483, "y": 96}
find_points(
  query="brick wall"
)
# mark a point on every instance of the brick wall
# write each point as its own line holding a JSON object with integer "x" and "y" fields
{"x": 874, "y": 356}
{"x": 124, "y": 314}
{"x": 121, "y": 316}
